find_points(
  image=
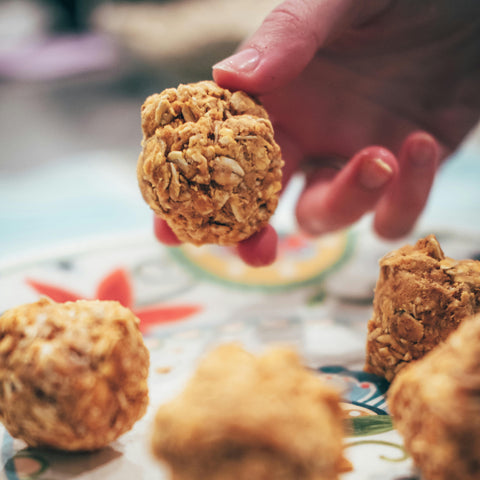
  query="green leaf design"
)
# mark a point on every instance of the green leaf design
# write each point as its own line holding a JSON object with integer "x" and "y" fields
{"x": 369, "y": 425}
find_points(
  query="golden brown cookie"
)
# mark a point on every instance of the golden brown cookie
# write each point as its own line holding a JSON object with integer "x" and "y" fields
{"x": 421, "y": 297}
{"x": 245, "y": 417}
{"x": 73, "y": 376}
{"x": 435, "y": 403}
{"x": 209, "y": 166}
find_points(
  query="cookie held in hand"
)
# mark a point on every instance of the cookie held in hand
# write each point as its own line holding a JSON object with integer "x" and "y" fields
{"x": 209, "y": 166}
{"x": 73, "y": 376}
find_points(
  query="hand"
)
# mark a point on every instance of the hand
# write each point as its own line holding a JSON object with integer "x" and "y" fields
{"x": 257, "y": 251}
{"x": 338, "y": 76}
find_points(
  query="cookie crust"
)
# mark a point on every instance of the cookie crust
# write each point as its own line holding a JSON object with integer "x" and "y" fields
{"x": 209, "y": 165}
{"x": 73, "y": 376}
{"x": 421, "y": 297}
{"x": 435, "y": 407}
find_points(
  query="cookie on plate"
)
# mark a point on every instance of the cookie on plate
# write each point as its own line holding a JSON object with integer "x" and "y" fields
{"x": 209, "y": 166}
{"x": 248, "y": 417}
{"x": 421, "y": 297}
{"x": 435, "y": 403}
{"x": 73, "y": 376}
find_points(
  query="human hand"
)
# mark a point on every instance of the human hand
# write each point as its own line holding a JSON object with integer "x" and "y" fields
{"x": 338, "y": 76}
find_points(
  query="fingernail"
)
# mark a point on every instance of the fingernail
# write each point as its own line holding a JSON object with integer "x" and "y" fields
{"x": 422, "y": 151}
{"x": 374, "y": 173}
{"x": 244, "y": 61}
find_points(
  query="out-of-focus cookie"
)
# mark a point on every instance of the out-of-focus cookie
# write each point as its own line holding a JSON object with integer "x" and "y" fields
{"x": 435, "y": 403}
{"x": 73, "y": 376}
{"x": 209, "y": 165}
{"x": 421, "y": 297}
{"x": 248, "y": 417}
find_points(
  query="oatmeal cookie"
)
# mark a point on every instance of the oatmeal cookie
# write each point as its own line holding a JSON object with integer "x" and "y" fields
{"x": 209, "y": 165}
{"x": 435, "y": 404}
{"x": 421, "y": 297}
{"x": 73, "y": 376}
{"x": 248, "y": 417}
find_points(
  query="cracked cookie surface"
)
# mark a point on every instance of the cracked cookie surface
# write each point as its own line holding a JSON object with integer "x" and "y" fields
{"x": 421, "y": 297}
{"x": 209, "y": 165}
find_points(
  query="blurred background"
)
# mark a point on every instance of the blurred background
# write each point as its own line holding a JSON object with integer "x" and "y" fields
{"x": 74, "y": 73}
{"x": 73, "y": 77}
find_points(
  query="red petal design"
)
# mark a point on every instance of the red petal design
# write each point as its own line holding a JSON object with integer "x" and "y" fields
{"x": 158, "y": 314}
{"x": 116, "y": 286}
{"x": 57, "y": 294}
{"x": 295, "y": 242}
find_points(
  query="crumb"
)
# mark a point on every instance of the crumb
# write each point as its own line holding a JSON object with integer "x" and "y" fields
{"x": 209, "y": 166}
{"x": 248, "y": 417}
{"x": 73, "y": 376}
{"x": 421, "y": 297}
{"x": 435, "y": 406}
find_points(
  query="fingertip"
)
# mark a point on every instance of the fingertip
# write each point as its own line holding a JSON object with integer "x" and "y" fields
{"x": 259, "y": 250}
{"x": 237, "y": 72}
{"x": 164, "y": 233}
{"x": 421, "y": 150}
{"x": 377, "y": 166}
{"x": 391, "y": 230}
{"x": 334, "y": 201}
{"x": 278, "y": 51}
{"x": 398, "y": 212}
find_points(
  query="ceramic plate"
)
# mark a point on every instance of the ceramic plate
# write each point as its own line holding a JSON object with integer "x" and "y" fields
{"x": 187, "y": 304}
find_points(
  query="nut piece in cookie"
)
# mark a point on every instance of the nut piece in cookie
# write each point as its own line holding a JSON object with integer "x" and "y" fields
{"x": 73, "y": 376}
{"x": 209, "y": 165}
{"x": 435, "y": 403}
{"x": 245, "y": 417}
{"x": 421, "y": 297}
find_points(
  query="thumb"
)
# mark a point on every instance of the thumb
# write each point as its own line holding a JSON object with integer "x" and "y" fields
{"x": 287, "y": 40}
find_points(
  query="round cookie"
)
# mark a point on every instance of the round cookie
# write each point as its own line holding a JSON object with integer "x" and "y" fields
{"x": 209, "y": 166}
{"x": 73, "y": 376}
{"x": 435, "y": 406}
{"x": 245, "y": 417}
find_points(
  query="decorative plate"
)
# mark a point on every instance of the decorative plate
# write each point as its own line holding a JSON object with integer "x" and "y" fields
{"x": 301, "y": 260}
{"x": 183, "y": 314}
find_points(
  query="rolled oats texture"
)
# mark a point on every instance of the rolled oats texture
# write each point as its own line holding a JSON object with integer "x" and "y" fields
{"x": 421, "y": 296}
{"x": 209, "y": 164}
{"x": 435, "y": 407}
{"x": 73, "y": 376}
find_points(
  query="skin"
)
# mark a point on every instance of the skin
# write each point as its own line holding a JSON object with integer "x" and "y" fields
{"x": 368, "y": 98}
